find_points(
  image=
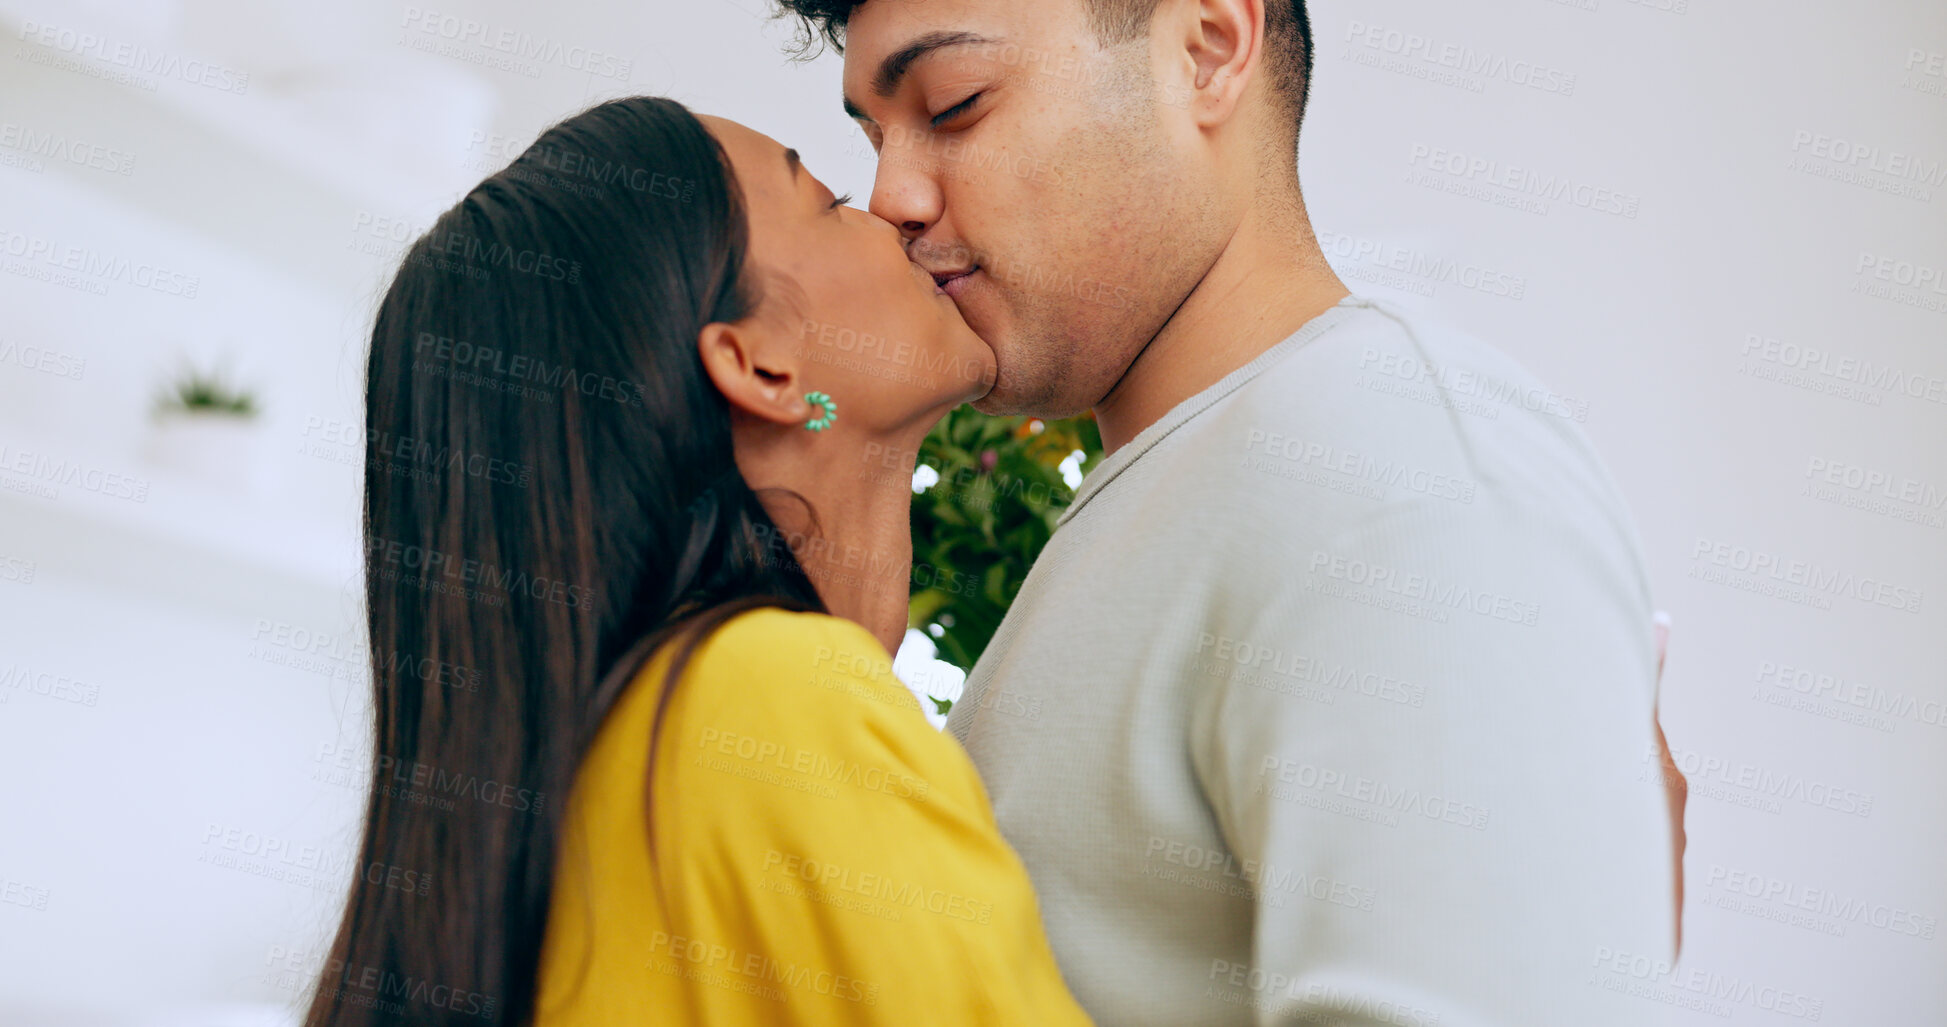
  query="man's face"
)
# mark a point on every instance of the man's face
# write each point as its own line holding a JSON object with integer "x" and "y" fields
{"x": 1038, "y": 176}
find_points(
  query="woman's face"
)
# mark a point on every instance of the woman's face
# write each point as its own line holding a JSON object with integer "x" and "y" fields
{"x": 868, "y": 327}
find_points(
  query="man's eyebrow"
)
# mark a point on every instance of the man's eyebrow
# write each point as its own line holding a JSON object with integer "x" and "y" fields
{"x": 791, "y": 161}
{"x": 893, "y": 69}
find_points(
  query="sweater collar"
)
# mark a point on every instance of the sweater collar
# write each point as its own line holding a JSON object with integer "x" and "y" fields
{"x": 1181, "y": 414}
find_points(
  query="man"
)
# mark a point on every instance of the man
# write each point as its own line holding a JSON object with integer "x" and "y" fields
{"x": 1341, "y": 662}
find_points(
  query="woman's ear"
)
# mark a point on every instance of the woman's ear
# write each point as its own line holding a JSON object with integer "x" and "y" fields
{"x": 755, "y": 372}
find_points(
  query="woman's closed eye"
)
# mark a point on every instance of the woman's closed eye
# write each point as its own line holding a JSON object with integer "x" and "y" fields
{"x": 840, "y": 201}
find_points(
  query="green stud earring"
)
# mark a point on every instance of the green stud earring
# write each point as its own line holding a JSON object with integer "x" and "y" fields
{"x": 825, "y": 419}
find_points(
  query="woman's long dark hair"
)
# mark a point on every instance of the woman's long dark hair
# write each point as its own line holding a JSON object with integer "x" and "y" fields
{"x": 550, "y": 495}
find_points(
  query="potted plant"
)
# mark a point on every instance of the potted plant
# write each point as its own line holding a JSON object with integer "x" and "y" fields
{"x": 988, "y": 493}
{"x": 206, "y": 427}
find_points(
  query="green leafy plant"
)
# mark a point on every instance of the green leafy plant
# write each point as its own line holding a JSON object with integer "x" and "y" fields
{"x": 978, "y": 528}
{"x": 193, "y": 390}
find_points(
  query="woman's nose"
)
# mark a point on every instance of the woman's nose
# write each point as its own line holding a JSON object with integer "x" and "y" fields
{"x": 899, "y": 234}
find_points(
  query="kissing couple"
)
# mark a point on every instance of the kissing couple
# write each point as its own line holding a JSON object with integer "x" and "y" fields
{"x": 1332, "y": 698}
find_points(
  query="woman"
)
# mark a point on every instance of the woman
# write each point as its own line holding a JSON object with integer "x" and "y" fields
{"x": 631, "y": 401}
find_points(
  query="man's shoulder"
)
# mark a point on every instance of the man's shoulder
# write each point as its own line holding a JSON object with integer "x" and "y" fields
{"x": 1387, "y": 397}
{"x": 1406, "y": 370}
{"x": 1387, "y": 417}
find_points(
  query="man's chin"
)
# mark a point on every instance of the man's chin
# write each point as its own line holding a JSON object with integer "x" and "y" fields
{"x": 1011, "y": 396}
{"x": 994, "y": 404}
{"x": 1002, "y": 401}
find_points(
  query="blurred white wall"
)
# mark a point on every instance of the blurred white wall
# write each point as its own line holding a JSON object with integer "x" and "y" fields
{"x": 1756, "y": 324}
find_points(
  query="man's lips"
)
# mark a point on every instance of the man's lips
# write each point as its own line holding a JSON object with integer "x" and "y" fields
{"x": 953, "y": 282}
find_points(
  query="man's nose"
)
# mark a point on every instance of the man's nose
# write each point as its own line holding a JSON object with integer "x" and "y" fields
{"x": 906, "y": 191}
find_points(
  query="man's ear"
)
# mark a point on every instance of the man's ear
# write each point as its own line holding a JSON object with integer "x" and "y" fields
{"x": 758, "y": 375}
{"x": 1223, "y": 41}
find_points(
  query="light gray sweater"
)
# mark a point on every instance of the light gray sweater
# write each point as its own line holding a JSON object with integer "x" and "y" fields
{"x": 1330, "y": 702}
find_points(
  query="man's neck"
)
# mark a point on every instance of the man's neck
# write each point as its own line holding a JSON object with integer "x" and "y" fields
{"x": 1270, "y": 280}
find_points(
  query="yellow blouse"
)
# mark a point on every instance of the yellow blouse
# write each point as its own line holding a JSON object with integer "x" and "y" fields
{"x": 824, "y": 855}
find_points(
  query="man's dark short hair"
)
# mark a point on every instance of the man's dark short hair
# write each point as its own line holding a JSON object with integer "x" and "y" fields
{"x": 1287, "y": 30}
